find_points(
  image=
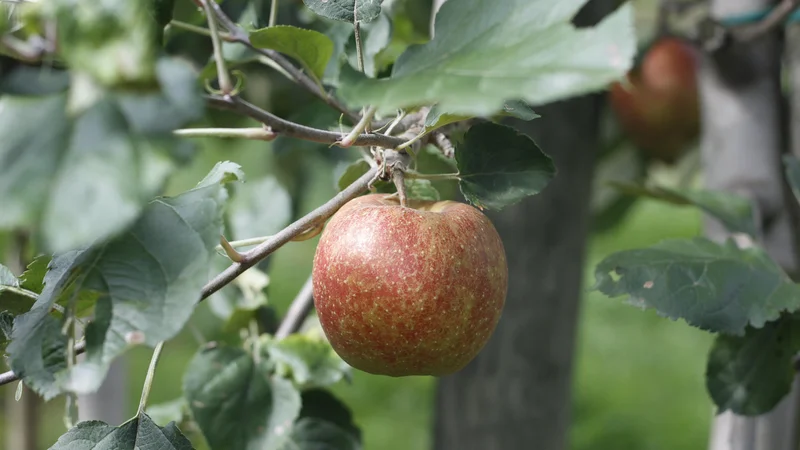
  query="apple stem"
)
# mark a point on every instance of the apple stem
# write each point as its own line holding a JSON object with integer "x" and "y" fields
{"x": 398, "y": 177}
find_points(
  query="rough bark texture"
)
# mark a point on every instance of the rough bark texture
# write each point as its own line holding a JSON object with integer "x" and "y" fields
{"x": 741, "y": 145}
{"x": 516, "y": 393}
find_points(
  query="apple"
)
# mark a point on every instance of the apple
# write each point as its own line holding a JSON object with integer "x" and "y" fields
{"x": 414, "y": 290}
{"x": 658, "y": 109}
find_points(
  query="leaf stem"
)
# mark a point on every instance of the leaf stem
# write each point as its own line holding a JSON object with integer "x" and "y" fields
{"x": 148, "y": 381}
{"x": 295, "y": 130}
{"x": 359, "y": 50}
{"x": 199, "y": 30}
{"x": 259, "y": 134}
{"x": 410, "y": 142}
{"x": 273, "y": 13}
{"x": 433, "y": 176}
{"x": 224, "y": 77}
{"x": 359, "y": 128}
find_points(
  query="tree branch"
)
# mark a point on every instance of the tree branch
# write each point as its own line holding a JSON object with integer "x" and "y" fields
{"x": 291, "y": 129}
{"x": 316, "y": 217}
{"x": 298, "y": 311}
{"x": 238, "y": 34}
{"x": 254, "y": 256}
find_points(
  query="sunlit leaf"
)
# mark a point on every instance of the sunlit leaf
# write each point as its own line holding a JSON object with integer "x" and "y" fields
{"x": 346, "y": 10}
{"x": 311, "y": 48}
{"x": 519, "y": 49}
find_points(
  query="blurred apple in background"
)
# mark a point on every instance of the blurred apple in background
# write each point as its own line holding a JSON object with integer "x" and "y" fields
{"x": 658, "y": 108}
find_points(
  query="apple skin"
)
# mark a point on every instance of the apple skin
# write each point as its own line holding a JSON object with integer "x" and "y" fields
{"x": 414, "y": 290}
{"x": 659, "y": 110}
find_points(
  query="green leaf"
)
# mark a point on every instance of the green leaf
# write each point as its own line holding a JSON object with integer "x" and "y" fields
{"x": 260, "y": 208}
{"x": 139, "y": 433}
{"x": 353, "y": 172}
{"x": 421, "y": 190}
{"x": 222, "y": 172}
{"x": 499, "y": 166}
{"x": 321, "y": 404}
{"x": 715, "y": 287}
{"x": 308, "y": 359}
{"x": 437, "y": 118}
{"x": 38, "y": 349}
{"x": 519, "y": 49}
{"x": 311, "y": 48}
{"x": 346, "y": 10}
{"x": 339, "y": 33}
{"x": 114, "y": 43}
{"x": 750, "y": 374}
{"x": 32, "y": 278}
{"x": 315, "y": 434}
{"x": 519, "y": 109}
{"x": 236, "y": 403}
{"x": 14, "y": 299}
{"x": 735, "y": 212}
{"x": 793, "y": 174}
{"x": 25, "y": 80}
{"x": 83, "y": 179}
{"x": 146, "y": 281}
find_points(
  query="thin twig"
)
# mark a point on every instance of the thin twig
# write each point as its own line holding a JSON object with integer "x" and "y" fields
{"x": 148, "y": 381}
{"x": 259, "y": 134}
{"x": 314, "y": 218}
{"x": 199, "y": 30}
{"x": 238, "y": 34}
{"x": 433, "y": 176}
{"x": 298, "y": 311}
{"x": 291, "y": 129}
{"x": 254, "y": 256}
{"x": 362, "y": 125}
{"x": 222, "y": 72}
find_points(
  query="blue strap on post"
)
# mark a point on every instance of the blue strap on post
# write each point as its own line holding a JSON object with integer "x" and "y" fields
{"x": 756, "y": 16}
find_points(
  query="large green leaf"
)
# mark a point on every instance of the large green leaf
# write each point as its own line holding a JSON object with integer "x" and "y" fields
{"x": 311, "y": 48}
{"x": 146, "y": 281}
{"x": 346, "y": 10}
{"x": 735, "y": 212}
{"x": 750, "y": 374}
{"x": 437, "y": 118}
{"x": 499, "y": 166}
{"x": 308, "y": 359}
{"x": 83, "y": 179}
{"x": 235, "y": 401}
{"x": 518, "y": 49}
{"x": 715, "y": 287}
{"x": 38, "y": 349}
{"x": 139, "y": 433}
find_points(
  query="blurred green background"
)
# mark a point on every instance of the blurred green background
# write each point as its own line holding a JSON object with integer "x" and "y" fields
{"x": 638, "y": 383}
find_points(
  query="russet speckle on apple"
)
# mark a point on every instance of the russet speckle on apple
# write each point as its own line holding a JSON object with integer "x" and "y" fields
{"x": 415, "y": 290}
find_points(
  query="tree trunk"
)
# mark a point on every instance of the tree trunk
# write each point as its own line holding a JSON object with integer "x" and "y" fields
{"x": 742, "y": 142}
{"x": 516, "y": 393}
